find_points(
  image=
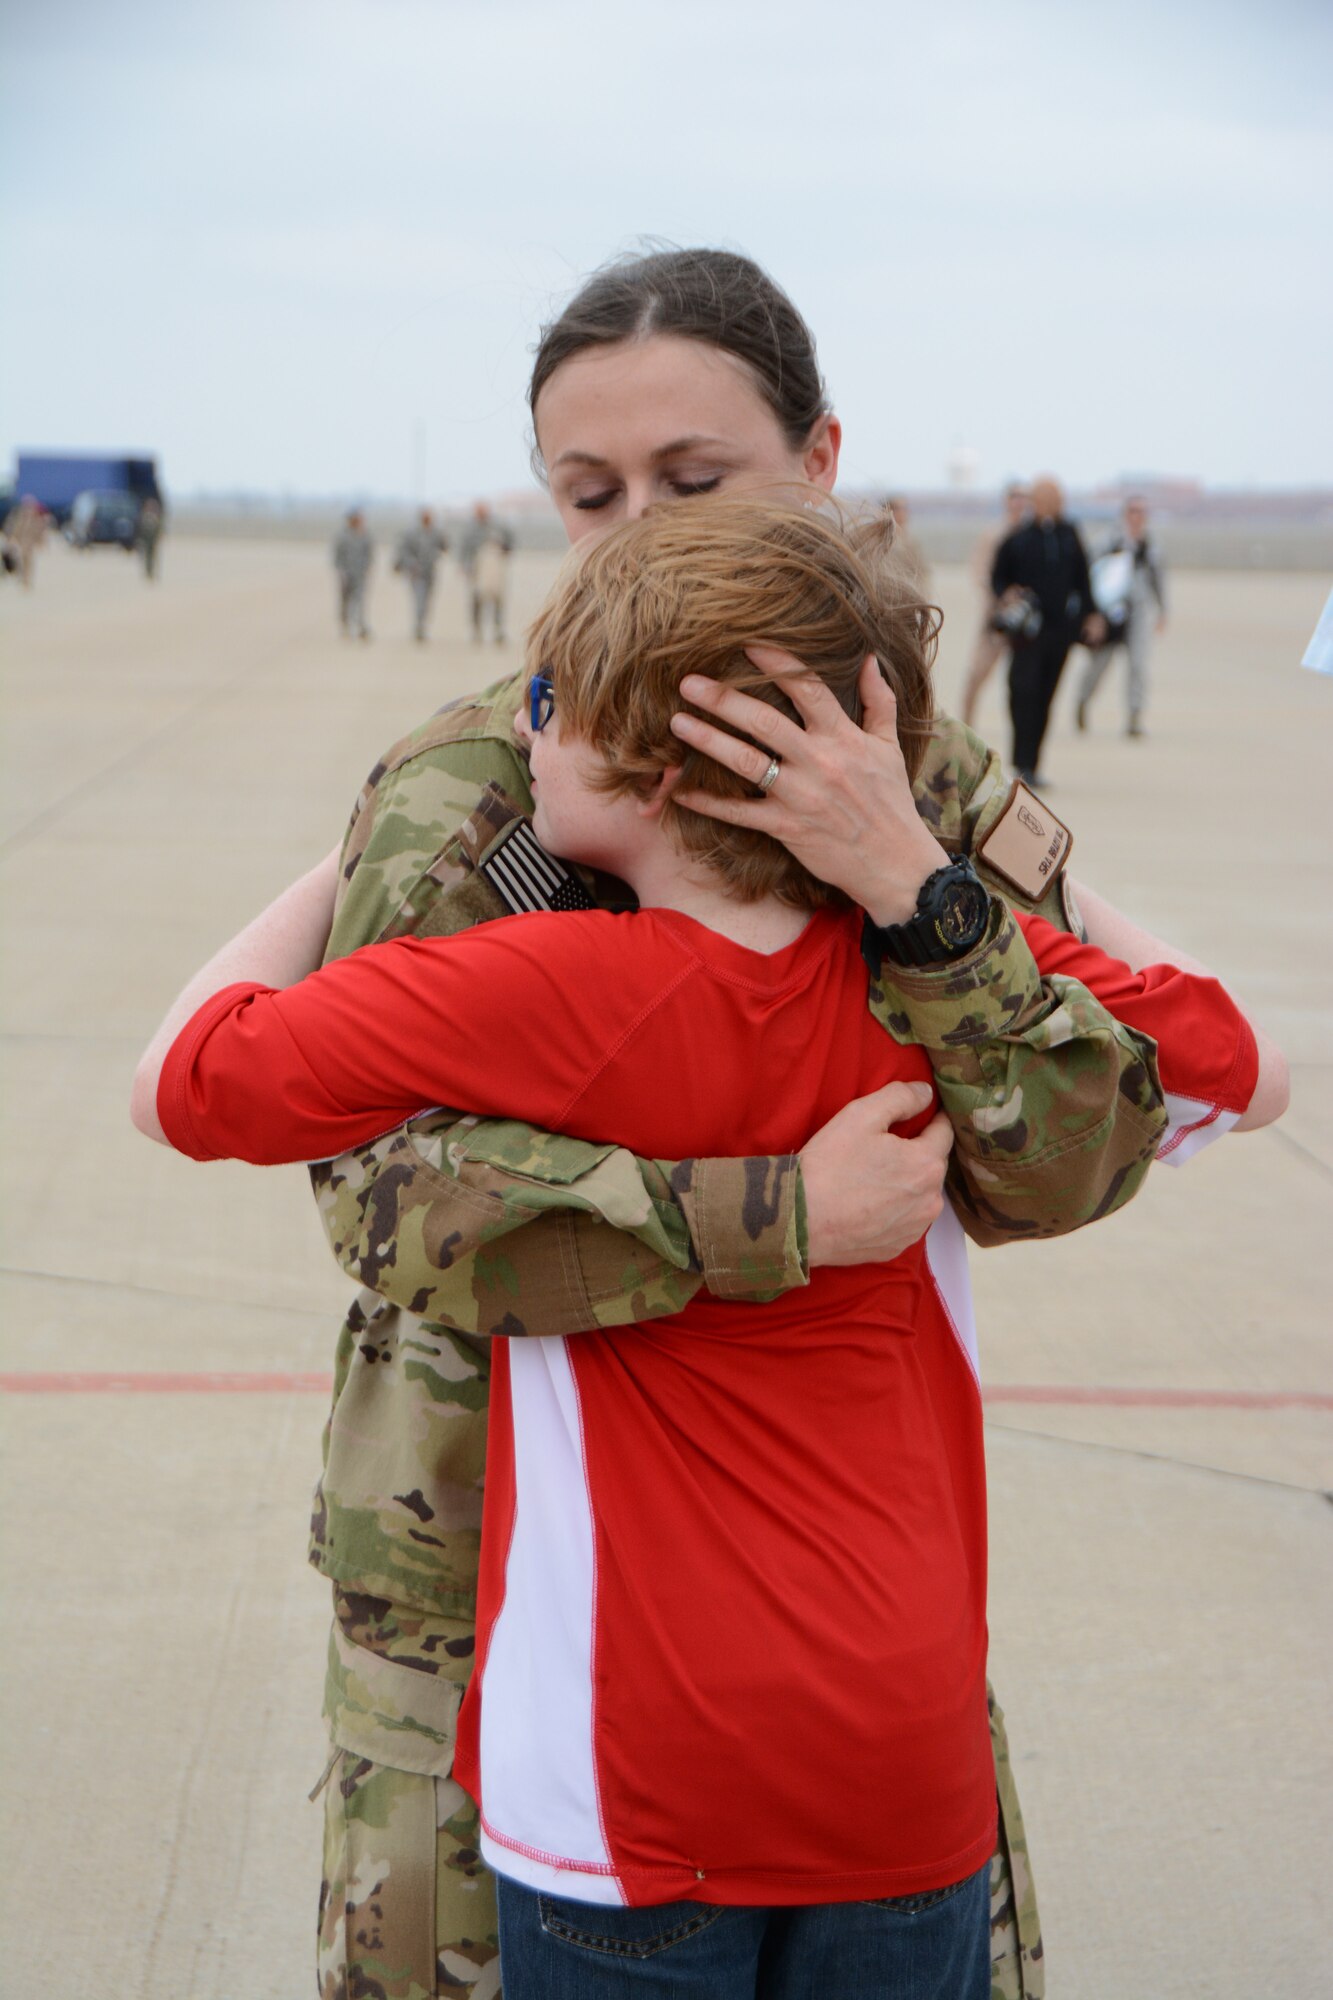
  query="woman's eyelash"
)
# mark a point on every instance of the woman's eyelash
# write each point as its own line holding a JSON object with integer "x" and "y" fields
{"x": 592, "y": 503}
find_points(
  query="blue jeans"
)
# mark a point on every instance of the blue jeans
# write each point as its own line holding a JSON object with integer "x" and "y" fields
{"x": 932, "y": 1946}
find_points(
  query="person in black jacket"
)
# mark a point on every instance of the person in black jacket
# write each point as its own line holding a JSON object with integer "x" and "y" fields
{"x": 1040, "y": 579}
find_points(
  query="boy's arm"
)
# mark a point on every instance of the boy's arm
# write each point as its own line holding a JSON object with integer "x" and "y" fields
{"x": 1219, "y": 1070}
{"x": 453, "y": 1214}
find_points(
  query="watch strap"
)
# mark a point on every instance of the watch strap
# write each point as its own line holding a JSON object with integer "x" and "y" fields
{"x": 921, "y": 940}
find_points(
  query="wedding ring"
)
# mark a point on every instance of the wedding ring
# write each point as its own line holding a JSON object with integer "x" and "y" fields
{"x": 769, "y": 779}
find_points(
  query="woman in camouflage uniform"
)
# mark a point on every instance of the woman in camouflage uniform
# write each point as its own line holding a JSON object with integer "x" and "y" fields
{"x": 670, "y": 374}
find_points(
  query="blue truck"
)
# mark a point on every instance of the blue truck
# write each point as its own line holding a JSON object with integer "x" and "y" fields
{"x": 57, "y": 478}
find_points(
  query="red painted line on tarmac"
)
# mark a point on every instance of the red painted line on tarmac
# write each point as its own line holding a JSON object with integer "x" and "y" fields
{"x": 215, "y": 1382}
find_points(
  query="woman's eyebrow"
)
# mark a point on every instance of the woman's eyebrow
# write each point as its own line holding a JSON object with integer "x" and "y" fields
{"x": 690, "y": 443}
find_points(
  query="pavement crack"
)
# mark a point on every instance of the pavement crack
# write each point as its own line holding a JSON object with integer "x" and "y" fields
{"x": 1162, "y": 1458}
{"x": 160, "y": 1292}
{"x": 1301, "y": 1152}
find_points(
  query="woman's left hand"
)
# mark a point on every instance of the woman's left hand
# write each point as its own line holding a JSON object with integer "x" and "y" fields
{"x": 841, "y": 801}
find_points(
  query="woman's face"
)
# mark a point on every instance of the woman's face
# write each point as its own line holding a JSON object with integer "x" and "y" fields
{"x": 622, "y": 427}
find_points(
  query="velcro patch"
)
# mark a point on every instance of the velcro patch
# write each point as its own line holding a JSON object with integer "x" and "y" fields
{"x": 1027, "y": 846}
{"x": 528, "y": 878}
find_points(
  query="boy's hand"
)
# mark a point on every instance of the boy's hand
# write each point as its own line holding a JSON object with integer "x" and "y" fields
{"x": 868, "y": 1193}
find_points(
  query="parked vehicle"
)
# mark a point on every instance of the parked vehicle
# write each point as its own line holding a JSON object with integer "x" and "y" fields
{"x": 107, "y": 519}
{"x": 58, "y": 478}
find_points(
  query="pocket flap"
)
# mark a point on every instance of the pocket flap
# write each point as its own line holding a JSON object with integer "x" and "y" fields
{"x": 389, "y": 1712}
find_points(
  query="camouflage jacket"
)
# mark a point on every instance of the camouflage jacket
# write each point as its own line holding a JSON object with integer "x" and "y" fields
{"x": 460, "y": 1228}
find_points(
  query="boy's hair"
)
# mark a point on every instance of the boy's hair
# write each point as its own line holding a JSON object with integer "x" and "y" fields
{"x": 685, "y": 589}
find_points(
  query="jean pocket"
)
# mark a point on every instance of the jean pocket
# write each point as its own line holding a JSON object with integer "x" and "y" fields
{"x": 924, "y": 1899}
{"x": 621, "y": 1933}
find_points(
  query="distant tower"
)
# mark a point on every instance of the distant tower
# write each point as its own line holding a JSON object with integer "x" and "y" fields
{"x": 963, "y": 468}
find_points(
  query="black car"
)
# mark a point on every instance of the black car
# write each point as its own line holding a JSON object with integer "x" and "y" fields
{"x": 103, "y": 519}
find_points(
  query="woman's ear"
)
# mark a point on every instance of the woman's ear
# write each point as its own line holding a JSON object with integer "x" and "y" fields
{"x": 820, "y": 457}
{"x": 665, "y": 783}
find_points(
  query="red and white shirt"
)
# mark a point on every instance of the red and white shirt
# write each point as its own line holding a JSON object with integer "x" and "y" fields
{"x": 732, "y": 1618}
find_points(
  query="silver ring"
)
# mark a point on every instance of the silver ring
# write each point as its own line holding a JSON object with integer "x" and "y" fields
{"x": 769, "y": 779}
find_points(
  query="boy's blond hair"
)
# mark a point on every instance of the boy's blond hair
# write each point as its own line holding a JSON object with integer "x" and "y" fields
{"x": 685, "y": 589}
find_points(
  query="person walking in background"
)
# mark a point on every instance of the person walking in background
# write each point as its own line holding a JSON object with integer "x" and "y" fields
{"x": 1128, "y": 584}
{"x": 419, "y": 551}
{"x": 483, "y": 555}
{"x": 1043, "y": 589}
{"x": 25, "y": 528}
{"x": 148, "y": 535}
{"x": 992, "y": 640}
{"x": 353, "y": 552}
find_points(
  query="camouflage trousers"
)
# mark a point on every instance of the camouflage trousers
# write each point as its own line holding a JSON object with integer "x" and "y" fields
{"x": 407, "y": 1907}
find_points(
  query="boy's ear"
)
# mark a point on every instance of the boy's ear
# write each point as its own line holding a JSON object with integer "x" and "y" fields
{"x": 665, "y": 783}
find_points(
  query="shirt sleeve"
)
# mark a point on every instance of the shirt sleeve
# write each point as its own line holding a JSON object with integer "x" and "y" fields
{"x": 1207, "y": 1059}
{"x": 481, "y": 1021}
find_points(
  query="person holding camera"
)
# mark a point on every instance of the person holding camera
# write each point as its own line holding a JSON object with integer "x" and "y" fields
{"x": 1131, "y": 593}
{"x": 1044, "y": 602}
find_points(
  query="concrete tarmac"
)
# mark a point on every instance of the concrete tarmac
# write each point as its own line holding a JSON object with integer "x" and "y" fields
{"x": 1160, "y": 1389}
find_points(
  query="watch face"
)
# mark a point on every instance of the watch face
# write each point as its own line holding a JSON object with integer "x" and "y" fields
{"x": 962, "y": 915}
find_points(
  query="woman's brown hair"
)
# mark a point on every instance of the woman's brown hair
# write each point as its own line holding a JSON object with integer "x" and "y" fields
{"x": 685, "y": 589}
{"x": 714, "y": 296}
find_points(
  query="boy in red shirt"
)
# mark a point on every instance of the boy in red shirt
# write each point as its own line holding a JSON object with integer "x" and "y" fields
{"x": 706, "y": 1795}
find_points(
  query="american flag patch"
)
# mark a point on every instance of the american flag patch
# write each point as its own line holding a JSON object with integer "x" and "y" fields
{"x": 527, "y": 878}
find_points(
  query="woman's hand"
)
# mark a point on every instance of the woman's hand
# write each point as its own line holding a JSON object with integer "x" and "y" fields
{"x": 841, "y": 800}
{"x": 870, "y": 1194}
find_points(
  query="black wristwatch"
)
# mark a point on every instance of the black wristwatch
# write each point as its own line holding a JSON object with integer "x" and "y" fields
{"x": 952, "y": 911}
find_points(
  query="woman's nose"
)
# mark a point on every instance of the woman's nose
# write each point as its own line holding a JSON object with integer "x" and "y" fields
{"x": 523, "y": 723}
{"x": 639, "y": 497}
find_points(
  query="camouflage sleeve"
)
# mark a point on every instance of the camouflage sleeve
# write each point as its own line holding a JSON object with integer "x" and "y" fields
{"x": 488, "y": 1225}
{"x": 962, "y": 793}
{"x": 1056, "y": 1106}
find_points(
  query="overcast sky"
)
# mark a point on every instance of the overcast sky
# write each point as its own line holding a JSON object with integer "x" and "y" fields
{"x": 277, "y": 242}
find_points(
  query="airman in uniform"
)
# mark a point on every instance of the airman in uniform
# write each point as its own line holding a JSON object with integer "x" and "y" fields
{"x": 483, "y": 555}
{"x": 148, "y": 536}
{"x": 416, "y": 557}
{"x": 459, "y": 1229}
{"x": 353, "y": 553}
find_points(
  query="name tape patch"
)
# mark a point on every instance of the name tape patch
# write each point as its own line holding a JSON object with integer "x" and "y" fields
{"x": 1027, "y": 846}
